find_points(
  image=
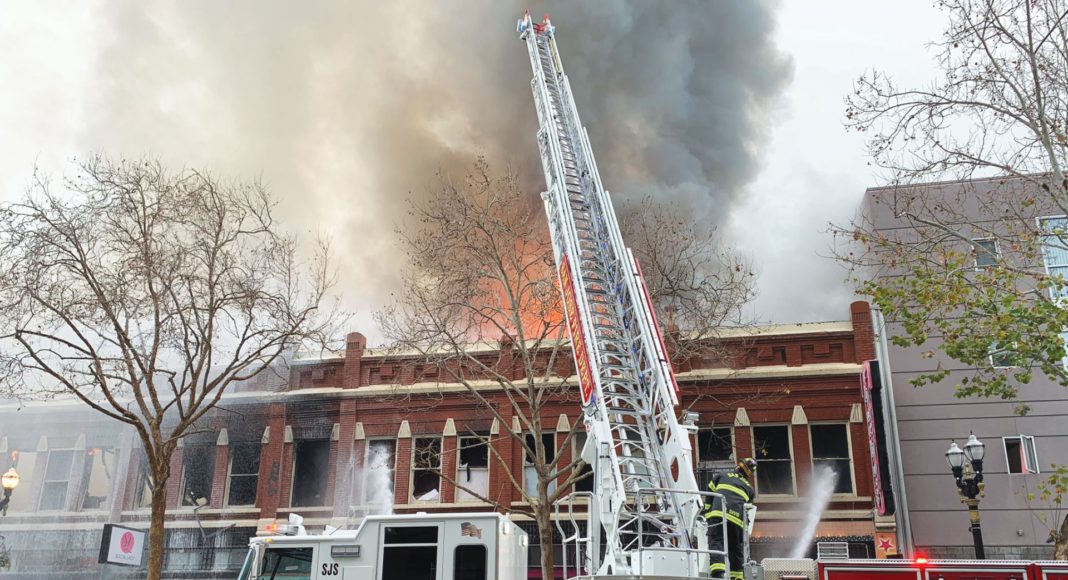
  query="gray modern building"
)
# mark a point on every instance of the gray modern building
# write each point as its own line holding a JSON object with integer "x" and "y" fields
{"x": 1020, "y": 449}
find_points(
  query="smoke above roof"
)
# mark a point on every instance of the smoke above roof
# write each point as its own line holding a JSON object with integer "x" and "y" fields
{"x": 347, "y": 109}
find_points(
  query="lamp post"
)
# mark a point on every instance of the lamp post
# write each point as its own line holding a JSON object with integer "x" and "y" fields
{"x": 9, "y": 481}
{"x": 969, "y": 477}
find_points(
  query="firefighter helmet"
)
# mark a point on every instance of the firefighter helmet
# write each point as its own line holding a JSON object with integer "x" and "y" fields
{"x": 747, "y": 466}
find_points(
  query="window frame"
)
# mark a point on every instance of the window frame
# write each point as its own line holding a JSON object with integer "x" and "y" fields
{"x": 1029, "y": 454}
{"x": 439, "y": 545}
{"x": 1011, "y": 352}
{"x": 45, "y": 481}
{"x": 87, "y": 478}
{"x": 412, "y": 469}
{"x": 793, "y": 459}
{"x": 555, "y": 451}
{"x": 182, "y": 495}
{"x": 996, "y": 254}
{"x": 849, "y": 449}
{"x": 327, "y": 501}
{"x": 230, "y": 473}
{"x": 365, "y": 471}
{"x": 487, "y": 438}
{"x": 1045, "y": 257}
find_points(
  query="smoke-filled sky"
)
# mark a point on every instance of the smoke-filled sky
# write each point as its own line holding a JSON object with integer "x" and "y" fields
{"x": 345, "y": 109}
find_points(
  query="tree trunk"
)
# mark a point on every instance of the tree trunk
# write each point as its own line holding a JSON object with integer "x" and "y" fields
{"x": 542, "y": 514}
{"x": 156, "y": 529}
{"x": 1060, "y": 545}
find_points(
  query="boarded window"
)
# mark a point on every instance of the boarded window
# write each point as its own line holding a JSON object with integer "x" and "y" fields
{"x": 426, "y": 469}
{"x": 473, "y": 467}
{"x": 774, "y": 456}
{"x": 198, "y": 468}
{"x": 57, "y": 480}
{"x": 24, "y": 463}
{"x": 830, "y": 449}
{"x": 310, "y": 472}
{"x": 99, "y": 471}
{"x": 244, "y": 473}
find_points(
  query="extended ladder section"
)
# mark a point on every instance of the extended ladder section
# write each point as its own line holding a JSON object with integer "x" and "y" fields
{"x": 644, "y": 493}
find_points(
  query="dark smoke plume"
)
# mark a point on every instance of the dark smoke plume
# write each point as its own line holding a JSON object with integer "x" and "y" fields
{"x": 347, "y": 108}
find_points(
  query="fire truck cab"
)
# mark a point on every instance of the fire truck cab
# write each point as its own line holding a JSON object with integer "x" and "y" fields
{"x": 471, "y": 546}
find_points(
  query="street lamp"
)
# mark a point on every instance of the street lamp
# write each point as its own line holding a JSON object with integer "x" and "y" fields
{"x": 970, "y": 487}
{"x": 9, "y": 481}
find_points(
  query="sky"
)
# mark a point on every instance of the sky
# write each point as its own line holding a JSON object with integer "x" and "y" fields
{"x": 346, "y": 111}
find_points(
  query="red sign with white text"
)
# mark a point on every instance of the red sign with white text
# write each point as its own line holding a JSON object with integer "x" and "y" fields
{"x": 578, "y": 338}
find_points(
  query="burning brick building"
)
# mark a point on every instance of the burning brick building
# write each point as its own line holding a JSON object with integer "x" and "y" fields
{"x": 342, "y": 434}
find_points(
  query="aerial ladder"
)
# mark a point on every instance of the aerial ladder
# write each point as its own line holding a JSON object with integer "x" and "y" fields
{"x": 645, "y": 496}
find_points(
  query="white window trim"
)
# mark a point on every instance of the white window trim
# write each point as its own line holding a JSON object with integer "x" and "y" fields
{"x": 229, "y": 472}
{"x": 456, "y": 489}
{"x": 997, "y": 251}
{"x": 1045, "y": 261}
{"x": 793, "y": 458}
{"x": 45, "y": 480}
{"x": 556, "y": 451}
{"x": 734, "y": 449}
{"x": 990, "y": 357}
{"x": 849, "y": 444}
{"x": 412, "y": 468}
{"x": 1023, "y": 447}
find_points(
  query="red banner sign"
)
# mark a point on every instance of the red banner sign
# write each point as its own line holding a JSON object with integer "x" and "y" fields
{"x": 870, "y": 389}
{"x": 578, "y": 338}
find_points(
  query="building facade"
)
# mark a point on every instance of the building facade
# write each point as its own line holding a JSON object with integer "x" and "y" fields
{"x": 364, "y": 430}
{"x": 1020, "y": 449}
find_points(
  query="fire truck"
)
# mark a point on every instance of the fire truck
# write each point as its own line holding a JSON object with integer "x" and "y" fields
{"x": 643, "y": 518}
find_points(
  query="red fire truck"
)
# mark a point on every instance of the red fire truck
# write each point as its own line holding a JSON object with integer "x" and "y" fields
{"x": 917, "y": 569}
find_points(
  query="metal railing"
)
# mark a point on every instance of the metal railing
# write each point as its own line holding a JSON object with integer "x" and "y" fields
{"x": 582, "y": 545}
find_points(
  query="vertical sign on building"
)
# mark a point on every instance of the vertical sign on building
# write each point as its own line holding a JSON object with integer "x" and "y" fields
{"x": 578, "y": 338}
{"x": 871, "y": 389}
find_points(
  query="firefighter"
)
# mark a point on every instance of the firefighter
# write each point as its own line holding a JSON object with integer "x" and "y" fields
{"x": 736, "y": 487}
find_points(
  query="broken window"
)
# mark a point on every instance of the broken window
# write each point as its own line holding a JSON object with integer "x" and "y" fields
{"x": 23, "y": 462}
{"x": 585, "y": 484}
{"x": 715, "y": 452}
{"x": 530, "y": 472}
{"x": 774, "y": 457}
{"x": 426, "y": 469}
{"x": 244, "y": 473}
{"x": 311, "y": 466}
{"x": 198, "y": 469}
{"x": 57, "y": 480}
{"x": 472, "y": 467}
{"x": 830, "y": 448}
{"x": 99, "y": 471}
{"x": 1021, "y": 454}
{"x": 378, "y": 475}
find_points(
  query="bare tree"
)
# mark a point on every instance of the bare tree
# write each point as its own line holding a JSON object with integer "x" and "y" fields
{"x": 144, "y": 293}
{"x": 481, "y": 302}
{"x": 997, "y": 117}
